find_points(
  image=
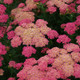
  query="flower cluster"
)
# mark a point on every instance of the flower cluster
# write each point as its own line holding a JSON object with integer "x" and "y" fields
{"x": 15, "y": 65}
{"x": 2, "y": 52}
{"x": 3, "y": 16}
{"x": 27, "y": 51}
{"x": 62, "y": 66}
{"x": 2, "y": 31}
{"x": 33, "y": 34}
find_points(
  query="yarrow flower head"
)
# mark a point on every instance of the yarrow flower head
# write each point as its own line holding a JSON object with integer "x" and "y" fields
{"x": 2, "y": 49}
{"x": 52, "y": 34}
{"x": 27, "y": 51}
{"x": 78, "y": 39}
{"x": 11, "y": 34}
{"x": 3, "y": 18}
{"x": 70, "y": 28}
{"x": 2, "y": 9}
{"x": 63, "y": 38}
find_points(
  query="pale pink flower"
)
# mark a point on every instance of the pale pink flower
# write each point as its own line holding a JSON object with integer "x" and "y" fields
{"x": 71, "y": 47}
{"x": 78, "y": 39}
{"x": 24, "y": 15}
{"x": 40, "y": 41}
{"x": 75, "y": 56}
{"x": 9, "y": 28}
{"x": 30, "y": 4}
{"x": 67, "y": 1}
{"x": 30, "y": 61}
{"x": 1, "y": 72}
{"x": 53, "y": 52}
{"x": 41, "y": 22}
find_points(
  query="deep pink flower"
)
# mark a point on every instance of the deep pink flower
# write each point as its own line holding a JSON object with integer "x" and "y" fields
{"x": 2, "y": 9}
{"x": 21, "y": 5}
{"x": 3, "y": 18}
{"x": 52, "y": 34}
{"x": 44, "y": 50}
{"x": 27, "y": 51}
{"x": 63, "y": 38}
{"x": 51, "y": 10}
{"x": 18, "y": 65}
{"x": 78, "y": 9}
{"x": 70, "y": 28}
{"x": 30, "y": 61}
{"x": 10, "y": 34}
{"x": 2, "y": 49}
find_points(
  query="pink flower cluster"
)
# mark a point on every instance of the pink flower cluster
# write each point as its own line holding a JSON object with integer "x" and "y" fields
{"x": 71, "y": 47}
{"x": 2, "y": 31}
{"x": 33, "y": 34}
{"x": 21, "y": 16}
{"x": 78, "y": 40}
{"x": 51, "y": 10}
{"x": 16, "y": 41}
{"x": 63, "y": 38}
{"x": 2, "y": 9}
{"x": 3, "y": 16}
{"x": 15, "y": 65}
{"x": 28, "y": 50}
{"x": 2, "y": 52}
{"x": 70, "y": 28}
{"x": 1, "y": 58}
{"x": 63, "y": 65}
{"x": 10, "y": 34}
{"x": 52, "y": 34}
